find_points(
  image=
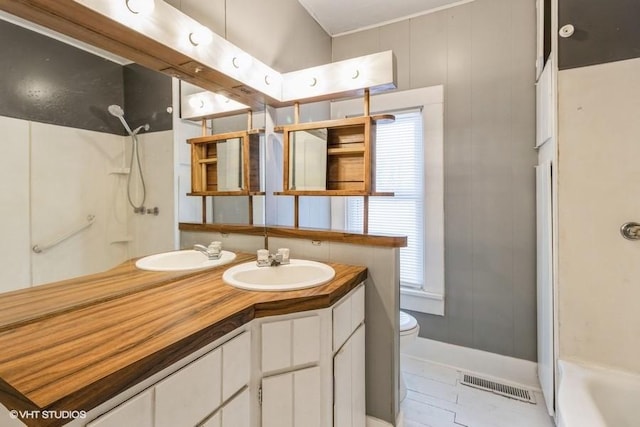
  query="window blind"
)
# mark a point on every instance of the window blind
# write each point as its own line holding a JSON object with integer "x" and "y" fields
{"x": 399, "y": 168}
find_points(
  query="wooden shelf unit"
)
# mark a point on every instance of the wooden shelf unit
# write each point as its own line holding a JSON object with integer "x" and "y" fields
{"x": 204, "y": 164}
{"x": 350, "y": 153}
{"x": 350, "y": 158}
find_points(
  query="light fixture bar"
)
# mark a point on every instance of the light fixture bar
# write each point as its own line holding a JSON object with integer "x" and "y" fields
{"x": 375, "y": 72}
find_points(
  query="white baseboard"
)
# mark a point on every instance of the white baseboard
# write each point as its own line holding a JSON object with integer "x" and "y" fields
{"x": 510, "y": 369}
{"x": 376, "y": 422}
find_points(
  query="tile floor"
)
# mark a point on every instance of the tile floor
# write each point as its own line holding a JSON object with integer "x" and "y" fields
{"x": 436, "y": 398}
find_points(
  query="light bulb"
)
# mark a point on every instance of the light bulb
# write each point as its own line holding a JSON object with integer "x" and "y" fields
{"x": 143, "y": 7}
{"x": 196, "y": 102}
{"x": 201, "y": 36}
{"x": 241, "y": 60}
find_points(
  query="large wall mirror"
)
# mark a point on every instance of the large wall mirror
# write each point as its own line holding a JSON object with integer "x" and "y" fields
{"x": 94, "y": 162}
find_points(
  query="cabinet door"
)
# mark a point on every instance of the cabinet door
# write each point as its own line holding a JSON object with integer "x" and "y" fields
{"x": 236, "y": 360}
{"x": 214, "y": 421}
{"x": 290, "y": 343}
{"x": 348, "y": 314}
{"x": 189, "y": 395}
{"x": 292, "y": 399}
{"x": 236, "y": 413}
{"x": 137, "y": 411}
{"x": 349, "y": 383}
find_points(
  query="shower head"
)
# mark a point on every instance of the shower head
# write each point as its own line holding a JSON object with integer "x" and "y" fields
{"x": 117, "y": 111}
{"x": 146, "y": 127}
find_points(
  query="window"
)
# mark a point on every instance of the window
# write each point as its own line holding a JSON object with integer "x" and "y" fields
{"x": 399, "y": 169}
{"x": 409, "y": 162}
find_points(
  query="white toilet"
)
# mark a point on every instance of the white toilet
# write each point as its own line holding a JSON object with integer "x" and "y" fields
{"x": 409, "y": 329}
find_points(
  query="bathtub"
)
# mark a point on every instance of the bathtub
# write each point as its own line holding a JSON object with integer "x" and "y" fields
{"x": 596, "y": 397}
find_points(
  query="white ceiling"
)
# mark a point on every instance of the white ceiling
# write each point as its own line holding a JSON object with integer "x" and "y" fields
{"x": 343, "y": 16}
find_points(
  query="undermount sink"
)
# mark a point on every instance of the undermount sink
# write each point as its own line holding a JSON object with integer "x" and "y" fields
{"x": 182, "y": 261}
{"x": 298, "y": 274}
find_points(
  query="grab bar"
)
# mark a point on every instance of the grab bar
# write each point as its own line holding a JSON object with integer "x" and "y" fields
{"x": 40, "y": 248}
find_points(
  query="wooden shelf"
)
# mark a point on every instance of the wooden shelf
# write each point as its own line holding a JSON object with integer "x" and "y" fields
{"x": 332, "y": 193}
{"x": 227, "y": 193}
{"x": 208, "y": 161}
{"x": 345, "y": 151}
{"x": 384, "y": 118}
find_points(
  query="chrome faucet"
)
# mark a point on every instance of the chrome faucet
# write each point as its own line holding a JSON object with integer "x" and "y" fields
{"x": 213, "y": 251}
{"x": 265, "y": 259}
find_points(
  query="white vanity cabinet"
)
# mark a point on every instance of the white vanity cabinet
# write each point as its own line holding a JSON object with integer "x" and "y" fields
{"x": 305, "y": 369}
{"x": 194, "y": 392}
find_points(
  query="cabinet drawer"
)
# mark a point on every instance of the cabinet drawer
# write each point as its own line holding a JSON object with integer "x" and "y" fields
{"x": 290, "y": 343}
{"x": 137, "y": 411}
{"x": 197, "y": 390}
{"x": 347, "y": 316}
{"x": 189, "y": 395}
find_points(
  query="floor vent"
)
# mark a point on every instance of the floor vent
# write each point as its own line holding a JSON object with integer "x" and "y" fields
{"x": 501, "y": 389}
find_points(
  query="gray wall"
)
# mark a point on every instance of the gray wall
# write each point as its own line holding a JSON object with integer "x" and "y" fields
{"x": 280, "y": 33}
{"x": 484, "y": 54}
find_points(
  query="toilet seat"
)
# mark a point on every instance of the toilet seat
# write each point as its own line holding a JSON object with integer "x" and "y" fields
{"x": 408, "y": 324}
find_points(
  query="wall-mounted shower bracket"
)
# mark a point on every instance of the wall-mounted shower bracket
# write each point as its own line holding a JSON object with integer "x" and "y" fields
{"x": 630, "y": 230}
{"x": 155, "y": 211}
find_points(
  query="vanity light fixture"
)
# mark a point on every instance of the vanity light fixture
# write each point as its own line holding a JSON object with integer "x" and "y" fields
{"x": 375, "y": 72}
{"x": 143, "y": 7}
{"x": 208, "y": 104}
{"x": 201, "y": 36}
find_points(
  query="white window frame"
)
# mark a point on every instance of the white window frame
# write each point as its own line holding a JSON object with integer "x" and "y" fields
{"x": 430, "y": 298}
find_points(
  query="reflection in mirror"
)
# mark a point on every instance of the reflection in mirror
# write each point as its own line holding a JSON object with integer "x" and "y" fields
{"x": 224, "y": 166}
{"x": 229, "y": 165}
{"x": 308, "y": 160}
{"x": 65, "y": 158}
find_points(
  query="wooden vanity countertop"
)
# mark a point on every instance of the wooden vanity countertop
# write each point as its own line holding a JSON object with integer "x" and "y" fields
{"x": 80, "y": 357}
